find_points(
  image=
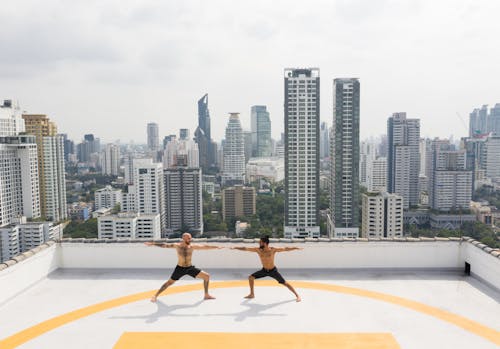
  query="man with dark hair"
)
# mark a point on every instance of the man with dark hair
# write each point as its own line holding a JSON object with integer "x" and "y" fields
{"x": 266, "y": 255}
{"x": 184, "y": 265}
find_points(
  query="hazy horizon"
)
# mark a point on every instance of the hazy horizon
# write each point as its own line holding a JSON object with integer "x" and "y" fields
{"x": 111, "y": 67}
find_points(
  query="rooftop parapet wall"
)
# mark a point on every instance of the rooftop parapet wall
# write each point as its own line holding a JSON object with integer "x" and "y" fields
{"x": 390, "y": 254}
{"x": 314, "y": 255}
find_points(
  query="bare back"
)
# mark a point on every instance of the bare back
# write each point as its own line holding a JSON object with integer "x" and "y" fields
{"x": 266, "y": 256}
{"x": 184, "y": 255}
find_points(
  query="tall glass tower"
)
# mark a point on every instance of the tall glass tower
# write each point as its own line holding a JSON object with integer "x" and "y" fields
{"x": 203, "y": 136}
{"x": 261, "y": 131}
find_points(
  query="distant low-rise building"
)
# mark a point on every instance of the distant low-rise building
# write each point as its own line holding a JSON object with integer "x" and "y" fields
{"x": 238, "y": 201}
{"x": 382, "y": 215}
{"x": 22, "y": 236}
{"x": 482, "y": 211}
{"x": 80, "y": 211}
{"x": 270, "y": 168}
{"x": 129, "y": 226}
{"x": 107, "y": 197}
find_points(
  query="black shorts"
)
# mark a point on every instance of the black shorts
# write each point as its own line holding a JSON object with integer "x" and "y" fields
{"x": 269, "y": 272}
{"x": 181, "y": 271}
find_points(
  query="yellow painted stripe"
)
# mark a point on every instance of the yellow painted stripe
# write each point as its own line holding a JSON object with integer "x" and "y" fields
{"x": 48, "y": 325}
{"x": 218, "y": 340}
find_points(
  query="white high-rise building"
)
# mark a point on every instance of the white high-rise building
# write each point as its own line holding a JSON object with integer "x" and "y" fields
{"x": 107, "y": 197}
{"x": 111, "y": 160}
{"x": 148, "y": 185}
{"x": 153, "y": 137}
{"x": 128, "y": 167}
{"x": 378, "y": 176}
{"x": 367, "y": 155}
{"x": 302, "y": 152}
{"x": 129, "y": 226}
{"x": 403, "y": 159}
{"x": 11, "y": 120}
{"x": 19, "y": 186}
{"x": 54, "y": 176}
{"x": 234, "y": 152}
{"x": 382, "y": 215}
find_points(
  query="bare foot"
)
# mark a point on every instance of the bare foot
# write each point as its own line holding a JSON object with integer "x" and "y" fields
{"x": 153, "y": 299}
{"x": 250, "y": 296}
{"x": 298, "y": 299}
{"x": 207, "y": 296}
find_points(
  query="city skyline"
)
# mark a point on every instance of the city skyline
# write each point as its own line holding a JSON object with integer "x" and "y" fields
{"x": 92, "y": 80}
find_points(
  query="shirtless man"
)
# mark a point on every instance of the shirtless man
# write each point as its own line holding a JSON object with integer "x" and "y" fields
{"x": 266, "y": 255}
{"x": 184, "y": 266}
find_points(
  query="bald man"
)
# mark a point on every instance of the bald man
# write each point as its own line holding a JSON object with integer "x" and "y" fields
{"x": 184, "y": 266}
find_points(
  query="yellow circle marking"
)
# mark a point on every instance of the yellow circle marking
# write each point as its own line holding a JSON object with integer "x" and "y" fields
{"x": 471, "y": 326}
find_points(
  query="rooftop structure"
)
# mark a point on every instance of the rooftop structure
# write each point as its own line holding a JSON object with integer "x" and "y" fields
{"x": 402, "y": 293}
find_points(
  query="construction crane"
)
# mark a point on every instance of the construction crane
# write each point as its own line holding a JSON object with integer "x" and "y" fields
{"x": 463, "y": 122}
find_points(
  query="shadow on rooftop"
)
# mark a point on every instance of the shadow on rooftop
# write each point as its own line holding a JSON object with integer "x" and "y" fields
{"x": 164, "y": 310}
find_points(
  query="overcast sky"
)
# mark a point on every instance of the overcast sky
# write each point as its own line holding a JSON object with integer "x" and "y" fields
{"x": 110, "y": 67}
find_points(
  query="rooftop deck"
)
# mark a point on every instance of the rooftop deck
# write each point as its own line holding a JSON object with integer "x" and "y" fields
{"x": 97, "y": 296}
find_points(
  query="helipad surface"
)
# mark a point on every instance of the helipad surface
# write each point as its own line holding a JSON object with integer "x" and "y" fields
{"x": 348, "y": 309}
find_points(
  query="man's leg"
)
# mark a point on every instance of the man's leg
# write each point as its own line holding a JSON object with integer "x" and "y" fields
{"x": 206, "y": 278}
{"x": 290, "y": 287}
{"x": 162, "y": 288}
{"x": 251, "y": 280}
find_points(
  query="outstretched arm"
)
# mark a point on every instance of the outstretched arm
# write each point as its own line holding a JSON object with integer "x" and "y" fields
{"x": 286, "y": 249}
{"x": 160, "y": 244}
{"x": 205, "y": 247}
{"x": 248, "y": 249}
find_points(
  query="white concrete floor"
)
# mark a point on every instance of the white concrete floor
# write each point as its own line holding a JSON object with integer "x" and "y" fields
{"x": 273, "y": 309}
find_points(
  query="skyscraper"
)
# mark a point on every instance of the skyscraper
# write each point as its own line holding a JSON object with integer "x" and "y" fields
{"x": 111, "y": 160}
{"x": 344, "y": 196}
{"x": 478, "y": 121}
{"x": 492, "y": 156}
{"x": 69, "y": 148}
{"x": 261, "y": 131}
{"x": 403, "y": 159}
{"x": 183, "y": 198}
{"x": 89, "y": 146}
{"x": 494, "y": 120}
{"x": 19, "y": 186}
{"x": 153, "y": 137}
{"x": 366, "y": 157}
{"x": 51, "y": 170}
{"x": 450, "y": 182}
{"x": 302, "y": 152}
{"x": 234, "y": 152}
{"x": 183, "y": 150}
{"x": 203, "y": 135}
{"x": 247, "y": 145}
{"x": 324, "y": 149}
